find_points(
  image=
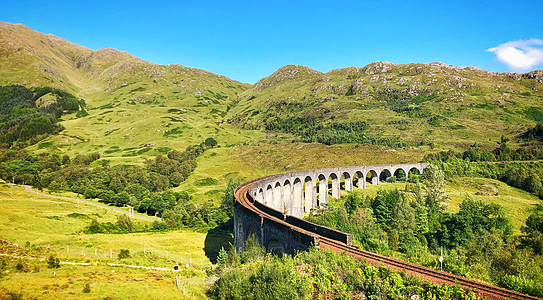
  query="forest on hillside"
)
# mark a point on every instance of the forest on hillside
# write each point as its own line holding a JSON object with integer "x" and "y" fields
{"x": 29, "y": 115}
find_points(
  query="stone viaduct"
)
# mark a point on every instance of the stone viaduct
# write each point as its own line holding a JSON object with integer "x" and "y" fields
{"x": 272, "y": 207}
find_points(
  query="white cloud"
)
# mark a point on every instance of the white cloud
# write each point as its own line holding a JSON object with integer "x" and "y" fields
{"x": 521, "y": 55}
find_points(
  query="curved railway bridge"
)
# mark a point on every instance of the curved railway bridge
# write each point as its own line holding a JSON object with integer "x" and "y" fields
{"x": 272, "y": 207}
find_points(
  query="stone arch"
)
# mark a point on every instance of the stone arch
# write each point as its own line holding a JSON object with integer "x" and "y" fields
{"x": 385, "y": 175}
{"x": 347, "y": 181}
{"x": 277, "y": 197}
{"x": 372, "y": 177}
{"x": 251, "y": 231}
{"x": 413, "y": 172}
{"x": 310, "y": 193}
{"x": 268, "y": 197}
{"x": 360, "y": 180}
{"x": 323, "y": 190}
{"x": 260, "y": 196}
{"x": 335, "y": 185}
{"x": 297, "y": 198}
{"x": 275, "y": 247}
{"x": 400, "y": 174}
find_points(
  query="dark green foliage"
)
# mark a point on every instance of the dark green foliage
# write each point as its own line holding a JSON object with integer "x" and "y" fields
{"x": 210, "y": 142}
{"x": 14, "y": 296}
{"x": 523, "y": 176}
{"x": 323, "y": 275}
{"x": 143, "y": 189}
{"x": 124, "y": 253}
{"x": 535, "y": 113}
{"x": 535, "y": 133}
{"x": 313, "y": 127}
{"x": 532, "y": 233}
{"x": 206, "y": 181}
{"x": 383, "y": 206}
{"x": 477, "y": 240}
{"x": 53, "y": 262}
{"x": 22, "y": 120}
{"x": 86, "y": 288}
{"x": 123, "y": 225}
{"x": 252, "y": 250}
{"x": 474, "y": 219}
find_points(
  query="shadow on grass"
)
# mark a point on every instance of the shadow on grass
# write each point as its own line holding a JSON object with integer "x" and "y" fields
{"x": 215, "y": 239}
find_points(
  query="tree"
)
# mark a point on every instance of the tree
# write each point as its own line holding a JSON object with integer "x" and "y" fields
{"x": 222, "y": 258}
{"x": 404, "y": 217}
{"x": 352, "y": 202}
{"x": 124, "y": 223}
{"x": 210, "y": 142}
{"x": 383, "y": 206}
{"x": 252, "y": 250}
{"x": 124, "y": 253}
{"x": 53, "y": 262}
{"x": 434, "y": 184}
{"x": 361, "y": 217}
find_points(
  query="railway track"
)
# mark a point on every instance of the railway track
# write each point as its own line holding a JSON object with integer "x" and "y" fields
{"x": 438, "y": 277}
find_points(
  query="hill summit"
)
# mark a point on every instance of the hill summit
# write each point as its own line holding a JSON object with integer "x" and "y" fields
{"x": 397, "y": 105}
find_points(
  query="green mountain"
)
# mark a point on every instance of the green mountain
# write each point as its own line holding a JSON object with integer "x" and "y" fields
{"x": 413, "y": 104}
{"x": 137, "y": 109}
{"x": 134, "y": 106}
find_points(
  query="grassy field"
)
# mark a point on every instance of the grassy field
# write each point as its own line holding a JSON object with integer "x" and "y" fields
{"x": 44, "y": 226}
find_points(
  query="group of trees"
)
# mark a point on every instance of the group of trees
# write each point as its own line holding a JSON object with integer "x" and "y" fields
{"x": 501, "y": 154}
{"x": 316, "y": 274}
{"x": 23, "y": 119}
{"x": 146, "y": 189}
{"x": 413, "y": 224}
{"x": 525, "y": 176}
{"x": 314, "y": 129}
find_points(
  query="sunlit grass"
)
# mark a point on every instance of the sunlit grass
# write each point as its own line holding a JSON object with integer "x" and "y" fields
{"x": 39, "y": 222}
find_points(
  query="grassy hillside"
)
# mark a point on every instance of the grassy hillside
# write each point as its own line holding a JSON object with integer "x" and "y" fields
{"x": 421, "y": 104}
{"x": 132, "y": 103}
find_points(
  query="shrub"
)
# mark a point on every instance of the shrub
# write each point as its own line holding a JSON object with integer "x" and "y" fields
{"x": 53, "y": 262}
{"x": 125, "y": 253}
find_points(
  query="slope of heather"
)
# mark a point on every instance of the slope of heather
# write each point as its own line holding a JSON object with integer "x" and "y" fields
{"x": 419, "y": 104}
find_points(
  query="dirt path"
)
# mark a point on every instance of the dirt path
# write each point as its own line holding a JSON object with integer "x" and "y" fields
{"x": 29, "y": 189}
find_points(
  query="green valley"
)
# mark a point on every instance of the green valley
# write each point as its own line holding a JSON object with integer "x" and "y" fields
{"x": 173, "y": 142}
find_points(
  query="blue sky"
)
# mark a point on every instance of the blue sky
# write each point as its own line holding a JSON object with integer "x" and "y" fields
{"x": 248, "y": 40}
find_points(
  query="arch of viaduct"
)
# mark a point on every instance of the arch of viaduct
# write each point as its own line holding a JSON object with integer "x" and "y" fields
{"x": 288, "y": 196}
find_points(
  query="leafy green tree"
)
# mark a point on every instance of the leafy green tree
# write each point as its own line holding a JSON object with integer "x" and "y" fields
{"x": 383, "y": 206}
{"x": 352, "y": 202}
{"x": 434, "y": 184}
{"x": 252, "y": 250}
{"x": 124, "y": 223}
{"x": 222, "y": 258}
{"x": 53, "y": 262}
{"x": 210, "y": 142}
{"x": 124, "y": 253}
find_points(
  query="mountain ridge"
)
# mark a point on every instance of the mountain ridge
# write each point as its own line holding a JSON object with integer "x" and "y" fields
{"x": 415, "y": 102}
